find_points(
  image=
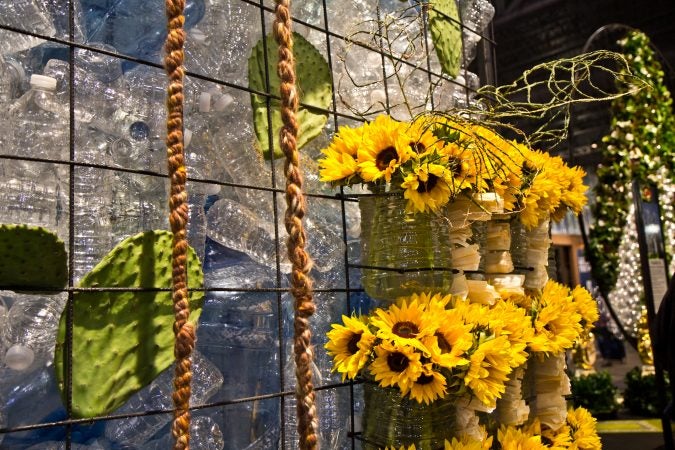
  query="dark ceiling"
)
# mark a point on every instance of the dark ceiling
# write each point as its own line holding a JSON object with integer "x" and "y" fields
{"x": 532, "y": 31}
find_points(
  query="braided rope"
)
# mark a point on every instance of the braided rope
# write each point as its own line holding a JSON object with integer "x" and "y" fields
{"x": 301, "y": 284}
{"x": 183, "y": 331}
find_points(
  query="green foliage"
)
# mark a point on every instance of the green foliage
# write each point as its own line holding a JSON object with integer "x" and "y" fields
{"x": 314, "y": 86}
{"x": 122, "y": 339}
{"x": 31, "y": 258}
{"x": 596, "y": 393}
{"x": 641, "y": 397}
{"x": 641, "y": 140}
{"x": 446, "y": 35}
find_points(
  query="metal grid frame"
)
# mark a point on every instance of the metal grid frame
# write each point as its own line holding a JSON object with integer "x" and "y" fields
{"x": 485, "y": 62}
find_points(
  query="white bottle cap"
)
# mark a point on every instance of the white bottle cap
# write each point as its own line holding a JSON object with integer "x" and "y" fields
{"x": 187, "y": 137}
{"x": 204, "y": 102}
{"x": 223, "y": 102}
{"x": 43, "y": 82}
{"x": 19, "y": 357}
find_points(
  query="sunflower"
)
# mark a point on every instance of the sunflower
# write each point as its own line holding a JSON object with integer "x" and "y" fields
{"x": 573, "y": 192}
{"x": 350, "y": 345}
{"x": 406, "y": 324}
{"x": 396, "y": 365}
{"x": 426, "y": 188}
{"x": 402, "y": 447}
{"x": 452, "y": 340}
{"x": 433, "y": 303}
{"x": 559, "y": 439}
{"x": 557, "y": 322}
{"x": 464, "y": 444}
{"x": 542, "y": 187}
{"x": 382, "y": 150}
{"x": 421, "y": 139}
{"x": 511, "y": 438}
{"x": 582, "y": 430}
{"x": 516, "y": 325}
{"x": 587, "y": 307}
{"x": 339, "y": 163}
{"x": 428, "y": 387}
{"x": 489, "y": 369}
{"x": 461, "y": 165}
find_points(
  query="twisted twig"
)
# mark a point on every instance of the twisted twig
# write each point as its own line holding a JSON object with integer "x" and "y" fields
{"x": 184, "y": 332}
{"x": 301, "y": 284}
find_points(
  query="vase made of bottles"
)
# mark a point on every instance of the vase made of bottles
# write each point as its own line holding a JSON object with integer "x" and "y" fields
{"x": 402, "y": 252}
{"x": 395, "y": 421}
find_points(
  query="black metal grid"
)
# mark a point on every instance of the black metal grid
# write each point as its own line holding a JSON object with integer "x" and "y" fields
{"x": 485, "y": 65}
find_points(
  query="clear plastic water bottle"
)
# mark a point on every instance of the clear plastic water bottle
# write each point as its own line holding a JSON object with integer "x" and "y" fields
{"x": 12, "y": 76}
{"x": 135, "y": 431}
{"x": 205, "y": 434}
{"x": 220, "y": 44}
{"x": 61, "y": 445}
{"x": 134, "y": 27}
{"x": 28, "y": 15}
{"x": 239, "y": 333}
{"x": 475, "y": 15}
{"x": 30, "y": 332}
{"x": 20, "y": 395}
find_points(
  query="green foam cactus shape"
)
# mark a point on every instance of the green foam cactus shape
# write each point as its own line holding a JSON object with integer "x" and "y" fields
{"x": 314, "y": 85}
{"x": 31, "y": 258}
{"x": 446, "y": 34}
{"x": 122, "y": 340}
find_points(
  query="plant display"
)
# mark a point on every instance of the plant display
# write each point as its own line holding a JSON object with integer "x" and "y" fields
{"x": 596, "y": 393}
{"x": 641, "y": 395}
{"x": 640, "y": 146}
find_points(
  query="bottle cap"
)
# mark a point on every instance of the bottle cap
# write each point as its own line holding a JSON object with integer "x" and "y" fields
{"x": 187, "y": 137}
{"x": 43, "y": 82}
{"x": 204, "y": 102}
{"x": 19, "y": 357}
{"x": 223, "y": 102}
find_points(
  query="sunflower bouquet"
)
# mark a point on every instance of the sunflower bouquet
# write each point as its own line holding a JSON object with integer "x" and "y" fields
{"x": 437, "y": 157}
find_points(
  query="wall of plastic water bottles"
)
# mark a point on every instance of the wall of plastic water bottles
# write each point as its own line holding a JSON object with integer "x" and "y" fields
{"x": 114, "y": 154}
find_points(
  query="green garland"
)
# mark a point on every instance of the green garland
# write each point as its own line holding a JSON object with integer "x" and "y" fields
{"x": 642, "y": 139}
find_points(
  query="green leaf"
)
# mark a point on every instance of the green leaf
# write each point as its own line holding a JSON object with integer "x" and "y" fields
{"x": 314, "y": 86}
{"x": 31, "y": 258}
{"x": 446, "y": 34}
{"x": 123, "y": 339}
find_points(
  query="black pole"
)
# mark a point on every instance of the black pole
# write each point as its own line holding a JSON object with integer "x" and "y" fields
{"x": 649, "y": 301}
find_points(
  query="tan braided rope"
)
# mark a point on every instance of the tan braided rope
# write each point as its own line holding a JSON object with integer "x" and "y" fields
{"x": 178, "y": 217}
{"x": 301, "y": 284}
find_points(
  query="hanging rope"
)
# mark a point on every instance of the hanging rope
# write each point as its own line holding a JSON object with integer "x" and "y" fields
{"x": 184, "y": 331}
{"x": 301, "y": 284}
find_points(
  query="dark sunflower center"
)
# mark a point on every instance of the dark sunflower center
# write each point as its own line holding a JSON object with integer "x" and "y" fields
{"x": 443, "y": 344}
{"x": 385, "y": 157}
{"x": 546, "y": 441}
{"x": 429, "y": 185}
{"x": 397, "y": 362}
{"x": 424, "y": 379}
{"x": 417, "y": 147}
{"x": 353, "y": 344}
{"x": 405, "y": 329}
{"x": 455, "y": 166}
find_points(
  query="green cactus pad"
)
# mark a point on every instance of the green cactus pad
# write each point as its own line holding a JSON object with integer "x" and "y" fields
{"x": 31, "y": 258}
{"x": 122, "y": 340}
{"x": 446, "y": 35}
{"x": 314, "y": 86}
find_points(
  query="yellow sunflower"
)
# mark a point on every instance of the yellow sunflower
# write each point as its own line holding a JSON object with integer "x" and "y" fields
{"x": 340, "y": 157}
{"x": 350, "y": 345}
{"x": 573, "y": 192}
{"x": 382, "y": 150}
{"x": 516, "y": 325}
{"x": 542, "y": 187}
{"x": 432, "y": 303}
{"x": 426, "y": 188}
{"x": 428, "y": 387}
{"x": 405, "y": 324}
{"x": 489, "y": 369}
{"x": 512, "y": 438}
{"x": 557, "y": 322}
{"x": 402, "y": 447}
{"x": 464, "y": 444}
{"x": 583, "y": 431}
{"x": 587, "y": 307}
{"x": 396, "y": 365}
{"x": 421, "y": 139}
{"x": 452, "y": 340}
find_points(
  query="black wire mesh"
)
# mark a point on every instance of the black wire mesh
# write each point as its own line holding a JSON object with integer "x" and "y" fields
{"x": 264, "y": 409}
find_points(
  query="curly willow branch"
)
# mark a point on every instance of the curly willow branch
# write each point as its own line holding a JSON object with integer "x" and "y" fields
{"x": 301, "y": 284}
{"x": 184, "y": 331}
